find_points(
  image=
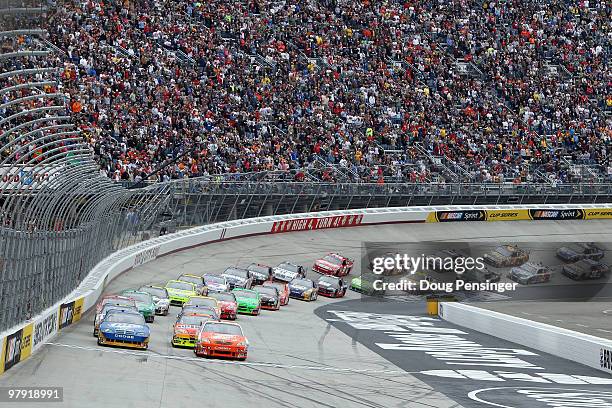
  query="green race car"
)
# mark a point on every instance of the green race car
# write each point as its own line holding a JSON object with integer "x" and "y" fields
{"x": 144, "y": 303}
{"x": 363, "y": 284}
{"x": 249, "y": 301}
{"x": 179, "y": 291}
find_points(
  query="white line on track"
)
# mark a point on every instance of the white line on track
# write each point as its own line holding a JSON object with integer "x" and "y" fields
{"x": 604, "y": 330}
{"x": 609, "y": 311}
{"x": 581, "y": 325}
{"x": 149, "y": 354}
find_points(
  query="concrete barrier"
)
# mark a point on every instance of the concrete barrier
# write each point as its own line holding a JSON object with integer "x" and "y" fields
{"x": 582, "y": 348}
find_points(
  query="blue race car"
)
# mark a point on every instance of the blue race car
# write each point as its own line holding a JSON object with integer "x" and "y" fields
{"x": 302, "y": 288}
{"x": 124, "y": 328}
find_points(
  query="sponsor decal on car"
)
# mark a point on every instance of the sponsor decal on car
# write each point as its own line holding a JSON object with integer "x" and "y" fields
{"x": 571, "y": 214}
{"x": 307, "y": 224}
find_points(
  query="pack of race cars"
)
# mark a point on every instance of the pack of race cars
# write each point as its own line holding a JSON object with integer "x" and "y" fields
{"x": 209, "y": 304}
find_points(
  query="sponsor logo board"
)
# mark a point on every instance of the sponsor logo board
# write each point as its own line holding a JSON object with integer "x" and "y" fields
{"x": 307, "y": 224}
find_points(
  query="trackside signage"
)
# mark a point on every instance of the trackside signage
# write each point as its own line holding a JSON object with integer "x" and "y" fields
{"x": 44, "y": 329}
{"x": 307, "y": 224}
{"x": 606, "y": 359}
{"x": 147, "y": 256}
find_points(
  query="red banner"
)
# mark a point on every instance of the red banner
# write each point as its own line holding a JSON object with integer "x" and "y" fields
{"x": 307, "y": 224}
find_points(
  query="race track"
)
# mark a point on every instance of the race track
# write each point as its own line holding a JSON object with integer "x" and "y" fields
{"x": 296, "y": 358}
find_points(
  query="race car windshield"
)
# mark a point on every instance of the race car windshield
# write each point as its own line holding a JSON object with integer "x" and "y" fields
{"x": 194, "y": 320}
{"x": 128, "y": 318}
{"x": 191, "y": 279}
{"x": 202, "y": 302}
{"x": 223, "y": 329}
{"x": 140, "y": 297}
{"x": 239, "y": 273}
{"x": 332, "y": 259}
{"x": 198, "y": 310}
{"x": 180, "y": 286}
{"x": 223, "y": 297}
{"x": 108, "y": 308}
{"x": 258, "y": 269}
{"x": 302, "y": 282}
{"x": 214, "y": 279}
{"x": 267, "y": 290}
{"x": 289, "y": 267}
{"x": 503, "y": 251}
{"x": 246, "y": 294}
{"x": 530, "y": 268}
{"x": 159, "y": 292}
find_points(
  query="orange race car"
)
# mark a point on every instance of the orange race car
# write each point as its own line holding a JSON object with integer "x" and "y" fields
{"x": 221, "y": 339}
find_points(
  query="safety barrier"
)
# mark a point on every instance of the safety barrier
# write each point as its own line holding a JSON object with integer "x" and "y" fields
{"x": 20, "y": 342}
{"x": 582, "y": 348}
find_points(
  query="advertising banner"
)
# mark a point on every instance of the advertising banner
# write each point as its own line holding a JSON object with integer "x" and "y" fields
{"x": 507, "y": 215}
{"x": 43, "y": 329}
{"x": 598, "y": 214}
{"x": 307, "y": 224}
{"x": 457, "y": 216}
{"x": 558, "y": 215}
{"x": 70, "y": 313}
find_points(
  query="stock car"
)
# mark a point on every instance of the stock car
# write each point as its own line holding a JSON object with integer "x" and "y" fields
{"x": 364, "y": 284}
{"x": 200, "y": 310}
{"x": 160, "y": 298}
{"x": 269, "y": 296}
{"x": 215, "y": 283}
{"x": 116, "y": 300}
{"x": 260, "y": 273}
{"x": 578, "y": 251}
{"x": 302, "y": 288}
{"x": 105, "y": 309}
{"x": 248, "y": 301}
{"x": 238, "y": 278}
{"x": 144, "y": 303}
{"x": 185, "y": 329}
{"x": 331, "y": 286}
{"x": 480, "y": 275}
{"x": 333, "y": 264}
{"x": 221, "y": 339}
{"x": 204, "y": 301}
{"x": 283, "y": 291}
{"x": 506, "y": 255}
{"x": 124, "y": 329}
{"x": 287, "y": 271}
{"x": 529, "y": 273}
{"x": 180, "y": 291}
{"x": 586, "y": 269}
{"x": 227, "y": 303}
{"x": 198, "y": 281}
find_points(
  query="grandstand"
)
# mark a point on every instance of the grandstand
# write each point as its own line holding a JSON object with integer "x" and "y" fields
{"x": 427, "y": 91}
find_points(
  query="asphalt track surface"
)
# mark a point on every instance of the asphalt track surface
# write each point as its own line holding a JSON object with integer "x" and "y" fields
{"x": 297, "y": 358}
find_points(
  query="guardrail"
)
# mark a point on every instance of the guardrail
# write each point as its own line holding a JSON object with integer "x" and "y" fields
{"x": 20, "y": 342}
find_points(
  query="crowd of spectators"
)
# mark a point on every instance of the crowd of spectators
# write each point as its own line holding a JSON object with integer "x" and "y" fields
{"x": 413, "y": 90}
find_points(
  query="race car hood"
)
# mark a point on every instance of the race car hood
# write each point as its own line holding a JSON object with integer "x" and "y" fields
{"x": 234, "y": 279}
{"x": 259, "y": 275}
{"x": 567, "y": 251}
{"x": 521, "y": 273}
{"x": 326, "y": 285}
{"x": 267, "y": 298}
{"x": 219, "y": 338}
{"x": 227, "y": 305}
{"x": 284, "y": 273}
{"x": 180, "y": 292}
{"x": 247, "y": 301}
{"x": 323, "y": 264}
{"x": 217, "y": 287}
{"x": 189, "y": 328}
{"x": 125, "y": 331}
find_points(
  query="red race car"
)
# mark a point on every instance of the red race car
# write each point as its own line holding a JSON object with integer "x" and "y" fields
{"x": 333, "y": 264}
{"x": 228, "y": 304}
{"x": 283, "y": 290}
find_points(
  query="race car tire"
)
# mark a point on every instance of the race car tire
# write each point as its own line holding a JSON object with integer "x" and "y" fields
{"x": 241, "y": 358}
{"x": 150, "y": 319}
{"x": 95, "y": 333}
